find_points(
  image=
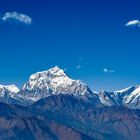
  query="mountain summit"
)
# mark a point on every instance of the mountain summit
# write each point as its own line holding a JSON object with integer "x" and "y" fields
{"x": 10, "y": 88}
{"x": 53, "y": 106}
{"x": 129, "y": 97}
{"x": 10, "y": 94}
{"x": 52, "y": 81}
{"x": 55, "y": 81}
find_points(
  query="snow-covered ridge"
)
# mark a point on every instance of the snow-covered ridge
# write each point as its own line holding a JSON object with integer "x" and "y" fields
{"x": 128, "y": 97}
{"x": 56, "y": 81}
{"x": 54, "y": 76}
{"x": 52, "y": 81}
{"x": 10, "y": 94}
{"x": 126, "y": 89}
{"x": 10, "y": 88}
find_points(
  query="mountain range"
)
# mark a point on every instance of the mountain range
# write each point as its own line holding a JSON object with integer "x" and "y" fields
{"x": 52, "y": 106}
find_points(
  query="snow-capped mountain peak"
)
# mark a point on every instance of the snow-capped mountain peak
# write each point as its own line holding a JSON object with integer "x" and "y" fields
{"x": 128, "y": 97}
{"x": 53, "y": 81}
{"x": 10, "y": 88}
{"x": 11, "y": 94}
{"x": 42, "y": 79}
{"x": 129, "y": 89}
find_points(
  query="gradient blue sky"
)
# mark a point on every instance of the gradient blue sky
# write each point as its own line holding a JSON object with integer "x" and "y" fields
{"x": 69, "y": 34}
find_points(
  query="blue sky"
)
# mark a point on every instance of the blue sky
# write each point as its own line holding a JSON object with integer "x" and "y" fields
{"x": 89, "y": 38}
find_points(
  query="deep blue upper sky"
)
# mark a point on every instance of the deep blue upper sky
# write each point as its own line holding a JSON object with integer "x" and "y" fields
{"x": 82, "y": 36}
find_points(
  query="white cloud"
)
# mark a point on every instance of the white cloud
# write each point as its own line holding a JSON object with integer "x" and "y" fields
{"x": 14, "y": 16}
{"x": 106, "y": 70}
{"x": 133, "y": 23}
{"x": 78, "y": 67}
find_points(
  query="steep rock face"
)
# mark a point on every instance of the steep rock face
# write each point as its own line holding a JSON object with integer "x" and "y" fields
{"x": 59, "y": 116}
{"x": 53, "y": 81}
{"x": 17, "y": 127}
{"x": 61, "y": 108}
{"x": 98, "y": 122}
{"x": 35, "y": 129}
{"x": 9, "y": 94}
{"x": 129, "y": 97}
{"x": 9, "y": 88}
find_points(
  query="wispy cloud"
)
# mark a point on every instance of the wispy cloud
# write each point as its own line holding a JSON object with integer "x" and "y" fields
{"x": 78, "y": 67}
{"x": 80, "y": 59}
{"x": 133, "y": 23}
{"x": 14, "y": 16}
{"x": 106, "y": 70}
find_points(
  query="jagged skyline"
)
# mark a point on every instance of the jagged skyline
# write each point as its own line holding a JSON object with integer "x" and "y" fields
{"x": 94, "y": 41}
